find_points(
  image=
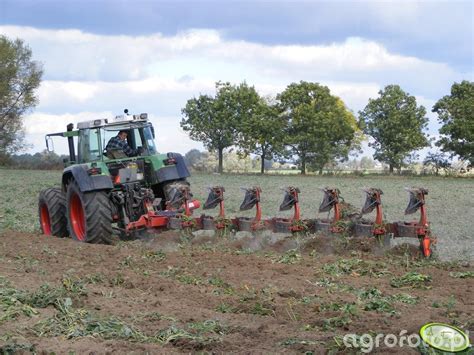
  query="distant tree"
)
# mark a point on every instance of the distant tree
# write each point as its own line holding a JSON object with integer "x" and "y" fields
{"x": 214, "y": 120}
{"x": 437, "y": 161}
{"x": 20, "y": 76}
{"x": 396, "y": 124}
{"x": 193, "y": 158}
{"x": 367, "y": 163}
{"x": 456, "y": 113}
{"x": 44, "y": 160}
{"x": 263, "y": 133}
{"x": 319, "y": 126}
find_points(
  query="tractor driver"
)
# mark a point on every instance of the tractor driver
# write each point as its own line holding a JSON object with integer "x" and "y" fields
{"x": 118, "y": 144}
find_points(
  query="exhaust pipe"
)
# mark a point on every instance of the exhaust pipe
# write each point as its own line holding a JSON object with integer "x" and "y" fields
{"x": 70, "y": 141}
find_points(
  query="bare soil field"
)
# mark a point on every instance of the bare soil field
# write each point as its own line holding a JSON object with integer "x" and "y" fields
{"x": 197, "y": 293}
{"x": 177, "y": 293}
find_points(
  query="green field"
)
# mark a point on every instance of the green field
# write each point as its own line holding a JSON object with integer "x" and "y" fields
{"x": 450, "y": 200}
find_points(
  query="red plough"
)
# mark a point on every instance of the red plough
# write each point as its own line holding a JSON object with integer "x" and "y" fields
{"x": 178, "y": 215}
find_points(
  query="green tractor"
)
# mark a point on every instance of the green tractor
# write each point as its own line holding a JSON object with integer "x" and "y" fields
{"x": 108, "y": 191}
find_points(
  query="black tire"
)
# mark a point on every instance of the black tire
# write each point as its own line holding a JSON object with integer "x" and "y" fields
{"x": 89, "y": 215}
{"x": 52, "y": 213}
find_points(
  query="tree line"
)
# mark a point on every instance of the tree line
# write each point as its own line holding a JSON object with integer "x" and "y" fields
{"x": 308, "y": 123}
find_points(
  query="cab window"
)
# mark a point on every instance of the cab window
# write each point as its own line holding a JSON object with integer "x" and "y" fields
{"x": 89, "y": 145}
{"x": 148, "y": 138}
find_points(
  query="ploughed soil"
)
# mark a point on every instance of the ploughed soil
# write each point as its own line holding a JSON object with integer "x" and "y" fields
{"x": 172, "y": 292}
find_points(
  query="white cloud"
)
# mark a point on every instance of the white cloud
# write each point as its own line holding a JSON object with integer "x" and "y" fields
{"x": 76, "y": 55}
{"x": 90, "y": 75}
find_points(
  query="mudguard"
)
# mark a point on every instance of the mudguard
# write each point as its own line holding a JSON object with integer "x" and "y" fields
{"x": 85, "y": 181}
{"x": 176, "y": 171}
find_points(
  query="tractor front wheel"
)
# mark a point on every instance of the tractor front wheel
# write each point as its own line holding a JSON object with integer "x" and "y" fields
{"x": 89, "y": 215}
{"x": 52, "y": 213}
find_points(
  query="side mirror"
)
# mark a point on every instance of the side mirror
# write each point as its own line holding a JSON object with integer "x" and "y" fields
{"x": 153, "y": 131}
{"x": 49, "y": 144}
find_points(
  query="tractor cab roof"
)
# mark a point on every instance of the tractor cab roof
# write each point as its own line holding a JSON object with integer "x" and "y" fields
{"x": 116, "y": 121}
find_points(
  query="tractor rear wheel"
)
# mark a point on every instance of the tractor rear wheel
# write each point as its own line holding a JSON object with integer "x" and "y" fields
{"x": 89, "y": 215}
{"x": 52, "y": 213}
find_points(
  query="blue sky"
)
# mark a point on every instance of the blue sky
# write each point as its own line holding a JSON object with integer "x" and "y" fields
{"x": 101, "y": 56}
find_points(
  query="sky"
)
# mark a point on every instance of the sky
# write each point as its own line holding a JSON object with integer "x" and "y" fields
{"x": 100, "y": 57}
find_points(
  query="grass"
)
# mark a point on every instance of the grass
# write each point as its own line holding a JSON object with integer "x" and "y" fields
{"x": 17, "y": 348}
{"x": 74, "y": 286}
{"x": 154, "y": 255}
{"x": 336, "y": 322}
{"x": 356, "y": 267}
{"x": 411, "y": 279}
{"x": 226, "y": 308}
{"x": 74, "y": 323}
{"x": 346, "y": 308}
{"x": 182, "y": 276}
{"x": 405, "y": 298}
{"x": 374, "y": 300}
{"x": 462, "y": 274}
{"x": 252, "y": 301}
{"x": 220, "y": 286}
{"x": 15, "y": 302}
{"x": 117, "y": 280}
{"x": 70, "y": 323}
{"x": 289, "y": 257}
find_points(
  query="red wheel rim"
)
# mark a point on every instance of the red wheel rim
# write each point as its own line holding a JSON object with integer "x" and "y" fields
{"x": 77, "y": 217}
{"x": 44, "y": 219}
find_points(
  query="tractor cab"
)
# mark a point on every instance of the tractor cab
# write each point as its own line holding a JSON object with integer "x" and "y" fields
{"x": 94, "y": 136}
{"x": 121, "y": 186}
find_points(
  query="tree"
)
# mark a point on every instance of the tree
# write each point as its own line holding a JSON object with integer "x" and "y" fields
{"x": 214, "y": 120}
{"x": 396, "y": 125}
{"x": 319, "y": 126}
{"x": 437, "y": 161}
{"x": 456, "y": 113}
{"x": 20, "y": 76}
{"x": 193, "y": 159}
{"x": 367, "y": 163}
{"x": 263, "y": 133}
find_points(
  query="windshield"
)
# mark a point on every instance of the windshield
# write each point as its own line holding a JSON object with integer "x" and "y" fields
{"x": 138, "y": 137}
{"x": 148, "y": 138}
